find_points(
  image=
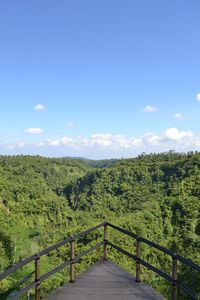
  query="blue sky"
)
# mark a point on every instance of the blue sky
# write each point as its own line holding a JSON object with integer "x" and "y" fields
{"x": 111, "y": 78}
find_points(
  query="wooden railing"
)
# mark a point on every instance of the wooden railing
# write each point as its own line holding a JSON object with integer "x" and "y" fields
{"x": 173, "y": 278}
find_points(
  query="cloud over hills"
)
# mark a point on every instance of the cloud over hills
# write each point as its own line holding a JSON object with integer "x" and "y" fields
{"x": 104, "y": 143}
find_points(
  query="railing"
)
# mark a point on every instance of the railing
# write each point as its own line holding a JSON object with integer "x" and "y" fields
{"x": 173, "y": 279}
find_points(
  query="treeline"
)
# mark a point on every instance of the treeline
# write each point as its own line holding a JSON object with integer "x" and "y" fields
{"x": 43, "y": 200}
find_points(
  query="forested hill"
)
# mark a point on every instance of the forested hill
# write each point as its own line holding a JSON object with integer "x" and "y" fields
{"x": 158, "y": 196}
{"x": 43, "y": 200}
{"x": 32, "y": 205}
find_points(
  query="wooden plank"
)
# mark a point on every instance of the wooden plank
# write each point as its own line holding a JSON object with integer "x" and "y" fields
{"x": 105, "y": 280}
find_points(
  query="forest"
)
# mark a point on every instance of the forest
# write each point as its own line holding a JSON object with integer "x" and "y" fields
{"x": 43, "y": 200}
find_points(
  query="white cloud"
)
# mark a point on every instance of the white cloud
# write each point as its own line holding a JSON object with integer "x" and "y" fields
{"x": 137, "y": 143}
{"x": 168, "y": 138}
{"x": 115, "y": 144}
{"x": 179, "y": 116}
{"x": 149, "y": 109}
{"x": 122, "y": 141}
{"x": 175, "y": 134}
{"x": 70, "y": 124}
{"x": 198, "y": 97}
{"x": 34, "y": 131}
{"x": 151, "y": 139}
{"x": 101, "y": 139}
{"x": 17, "y": 144}
{"x": 39, "y": 107}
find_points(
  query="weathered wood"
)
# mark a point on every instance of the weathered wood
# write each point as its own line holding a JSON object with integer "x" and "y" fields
{"x": 105, "y": 253}
{"x": 138, "y": 253}
{"x": 175, "y": 277}
{"x": 37, "y": 278}
{"x": 72, "y": 262}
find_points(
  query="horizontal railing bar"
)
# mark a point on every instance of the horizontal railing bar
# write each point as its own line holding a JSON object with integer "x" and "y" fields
{"x": 67, "y": 240}
{"x": 88, "y": 251}
{"x": 23, "y": 291}
{"x": 188, "y": 262}
{"x": 122, "y": 250}
{"x": 81, "y": 234}
{"x": 154, "y": 245}
{"x": 67, "y": 263}
{"x": 155, "y": 270}
{"x": 187, "y": 290}
{"x": 55, "y": 270}
{"x": 150, "y": 267}
{"x": 27, "y": 277}
{"x": 123, "y": 230}
{"x": 46, "y": 251}
{"x": 51, "y": 248}
{"x": 17, "y": 266}
{"x": 167, "y": 251}
{"x": 23, "y": 280}
{"x": 32, "y": 258}
{"x": 13, "y": 293}
{"x": 169, "y": 278}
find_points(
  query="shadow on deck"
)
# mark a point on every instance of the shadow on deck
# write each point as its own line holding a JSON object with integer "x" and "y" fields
{"x": 105, "y": 280}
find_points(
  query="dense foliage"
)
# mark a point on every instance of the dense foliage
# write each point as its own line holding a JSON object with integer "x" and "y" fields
{"x": 43, "y": 200}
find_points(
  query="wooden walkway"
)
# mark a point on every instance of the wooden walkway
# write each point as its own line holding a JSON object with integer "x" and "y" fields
{"x": 105, "y": 281}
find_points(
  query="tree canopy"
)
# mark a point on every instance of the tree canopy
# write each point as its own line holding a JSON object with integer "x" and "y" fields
{"x": 43, "y": 200}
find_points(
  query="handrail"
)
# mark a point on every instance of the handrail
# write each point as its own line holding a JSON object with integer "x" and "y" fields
{"x": 23, "y": 291}
{"x": 32, "y": 258}
{"x": 46, "y": 251}
{"x": 12, "y": 295}
{"x": 156, "y": 246}
{"x": 80, "y": 235}
{"x": 155, "y": 270}
{"x": 135, "y": 236}
{"x": 78, "y": 257}
{"x": 188, "y": 262}
{"x": 175, "y": 283}
{"x": 37, "y": 256}
{"x": 173, "y": 279}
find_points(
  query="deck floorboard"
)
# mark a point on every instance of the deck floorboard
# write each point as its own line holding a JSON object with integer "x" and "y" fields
{"x": 105, "y": 280}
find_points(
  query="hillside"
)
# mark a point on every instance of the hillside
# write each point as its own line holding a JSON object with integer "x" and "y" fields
{"x": 31, "y": 203}
{"x": 42, "y": 200}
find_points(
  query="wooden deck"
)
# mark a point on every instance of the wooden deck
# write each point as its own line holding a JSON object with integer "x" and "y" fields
{"x": 105, "y": 281}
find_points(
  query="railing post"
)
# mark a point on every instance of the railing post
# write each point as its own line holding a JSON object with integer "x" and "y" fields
{"x": 174, "y": 276}
{"x": 72, "y": 262}
{"x": 138, "y": 253}
{"x": 105, "y": 252}
{"x": 37, "y": 277}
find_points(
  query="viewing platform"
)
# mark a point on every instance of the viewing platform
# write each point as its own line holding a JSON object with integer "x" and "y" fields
{"x": 105, "y": 280}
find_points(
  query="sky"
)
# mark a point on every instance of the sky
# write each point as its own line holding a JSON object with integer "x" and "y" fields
{"x": 99, "y": 78}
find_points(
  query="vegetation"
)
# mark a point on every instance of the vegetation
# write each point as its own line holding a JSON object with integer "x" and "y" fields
{"x": 43, "y": 200}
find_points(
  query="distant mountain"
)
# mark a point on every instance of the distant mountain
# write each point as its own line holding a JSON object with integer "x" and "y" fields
{"x": 101, "y": 163}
